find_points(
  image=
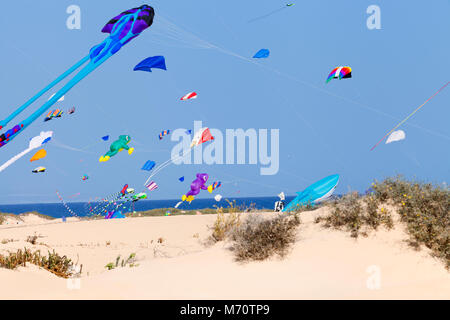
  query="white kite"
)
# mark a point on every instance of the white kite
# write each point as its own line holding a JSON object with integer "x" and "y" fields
{"x": 35, "y": 142}
{"x": 396, "y": 136}
{"x": 217, "y": 197}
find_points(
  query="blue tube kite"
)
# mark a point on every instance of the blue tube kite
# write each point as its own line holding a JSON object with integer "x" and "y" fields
{"x": 122, "y": 28}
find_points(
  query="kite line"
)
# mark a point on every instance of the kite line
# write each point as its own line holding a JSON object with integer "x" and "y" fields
{"x": 410, "y": 115}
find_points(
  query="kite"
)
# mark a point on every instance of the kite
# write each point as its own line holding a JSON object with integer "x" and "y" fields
{"x": 196, "y": 185}
{"x": 163, "y": 133}
{"x": 71, "y": 110}
{"x": 315, "y": 193}
{"x": 84, "y": 177}
{"x": 263, "y": 53}
{"x": 114, "y": 215}
{"x": 396, "y": 136}
{"x": 39, "y": 169}
{"x": 139, "y": 196}
{"x": 289, "y": 4}
{"x": 410, "y": 115}
{"x": 105, "y": 138}
{"x": 201, "y": 136}
{"x": 35, "y": 143}
{"x": 39, "y": 155}
{"x": 152, "y": 62}
{"x": 57, "y": 113}
{"x": 340, "y": 73}
{"x": 122, "y": 28}
{"x": 124, "y": 190}
{"x": 152, "y": 186}
{"x": 181, "y": 179}
{"x": 104, "y": 206}
{"x": 190, "y": 95}
{"x": 65, "y": 204}
{"x": 214, "y": 186}
{"x": 218, "y": 197}
{"x": 117, "y": 146}
{"x": 148, "y": 165}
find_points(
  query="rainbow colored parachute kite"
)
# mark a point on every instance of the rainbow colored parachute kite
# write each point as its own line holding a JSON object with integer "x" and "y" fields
{"x": 340, "y": 73}
{"x": 57, "y": 113}
{"x": 163, "y": 133}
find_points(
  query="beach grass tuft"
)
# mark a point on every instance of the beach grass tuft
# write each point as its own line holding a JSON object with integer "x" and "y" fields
{"x": 61, "y": 266}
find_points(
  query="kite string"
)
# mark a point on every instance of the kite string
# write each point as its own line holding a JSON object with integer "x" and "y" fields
{"x": 410, "y": 115}
{"x": 165, "y": 164}
{"x": 287, "y": 76}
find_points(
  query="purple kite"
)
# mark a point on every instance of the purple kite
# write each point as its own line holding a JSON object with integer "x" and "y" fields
{"x": 196, "y": 185}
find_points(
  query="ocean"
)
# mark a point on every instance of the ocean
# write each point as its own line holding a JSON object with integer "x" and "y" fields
{"x": 81, "y": 209}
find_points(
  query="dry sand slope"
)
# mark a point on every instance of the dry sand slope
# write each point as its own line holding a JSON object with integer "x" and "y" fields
{"x": 324, "y": 264}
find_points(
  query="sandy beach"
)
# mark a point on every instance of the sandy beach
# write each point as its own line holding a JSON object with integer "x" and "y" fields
{"x": 173, "y": 262}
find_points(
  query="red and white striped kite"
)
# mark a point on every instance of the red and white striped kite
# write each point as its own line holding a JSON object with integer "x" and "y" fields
{"x": 190, "y": 95}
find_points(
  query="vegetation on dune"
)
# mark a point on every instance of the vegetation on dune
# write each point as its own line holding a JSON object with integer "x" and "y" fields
{"x": 258, "y": 238}
{"x": 61, "y": 266}
{"x": 255, "y": 237}
{"x": 357, "y": 214}
{"x": 130, "y": 261}
{"x": 424, "y": 208}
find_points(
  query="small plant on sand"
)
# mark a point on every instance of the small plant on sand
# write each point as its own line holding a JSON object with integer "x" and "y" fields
{"x": 56, "y": 264}
{"x": 2, "y": 219}
{"x": 5, "y": 241}
{"x": 259, "y": 238}
{"x": 130, "y": 261}
{"x": 224, "y": 224}
{"x": 32, "y": 239}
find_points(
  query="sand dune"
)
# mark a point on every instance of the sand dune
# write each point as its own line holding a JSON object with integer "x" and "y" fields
{"x": 323, "y": 264}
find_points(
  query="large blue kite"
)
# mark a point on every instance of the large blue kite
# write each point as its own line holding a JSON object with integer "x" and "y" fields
{"x": 122, "y": 28}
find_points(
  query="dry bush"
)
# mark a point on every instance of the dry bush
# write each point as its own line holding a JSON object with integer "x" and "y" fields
{"x": 357, "y": 214}
{"x": 225, "y": 224}
{"x": 258, "y": 238}
{"x": 424, "y": 208}
{"x": 32, "y": 239}
{"x": 56, "y": 264}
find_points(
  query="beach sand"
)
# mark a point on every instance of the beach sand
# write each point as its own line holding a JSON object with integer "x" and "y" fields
{"x": 174, "y": 263}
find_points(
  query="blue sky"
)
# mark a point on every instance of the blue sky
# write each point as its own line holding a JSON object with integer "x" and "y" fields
{"x": 208, "y": 45}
